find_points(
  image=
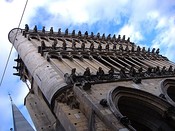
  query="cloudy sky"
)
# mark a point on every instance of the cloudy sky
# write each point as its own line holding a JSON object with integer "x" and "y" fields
{"x": 149, "y": 23}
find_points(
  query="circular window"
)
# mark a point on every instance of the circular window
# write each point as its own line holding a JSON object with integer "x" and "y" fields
{"x": 145, "y": 111}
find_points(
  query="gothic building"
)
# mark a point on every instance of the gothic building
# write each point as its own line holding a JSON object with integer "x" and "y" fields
{"x": 81, "y": 81}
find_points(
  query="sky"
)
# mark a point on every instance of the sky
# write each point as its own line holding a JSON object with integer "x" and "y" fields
{"x": 148, "y": 23}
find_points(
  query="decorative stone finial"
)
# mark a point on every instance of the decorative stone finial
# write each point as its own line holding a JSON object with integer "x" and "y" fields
{"x": 43, "y": 29}
{"x": 103, "y": 36}
{"x": 64, "y": 45}
{"x": 109, "y": 37}
{"x": 66, "y": 31}
{"x": 92, "y": 35}
{"x": 157, "y": 51}
{"x": 79, "y": 33}
{"x": 35, "y": 29}
{"x": 98, "y": 35}
{"x": 128, "y": 40}
{"x": 123, "y": 39}
{"x": 59, "y": 31}
{"x": 86, "y": 34}
{"x": 119, "y": 38}
{"x": 153, "y": 50}
{"x": 51, "y": 30}
{"x": 26, "y": 28}
{"x": 114, "y": 38}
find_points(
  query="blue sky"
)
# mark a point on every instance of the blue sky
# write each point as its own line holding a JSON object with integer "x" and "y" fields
{"x": 149, "y": 23}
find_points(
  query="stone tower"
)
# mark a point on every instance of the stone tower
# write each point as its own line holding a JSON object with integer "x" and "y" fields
{"x": 81, "y": 81}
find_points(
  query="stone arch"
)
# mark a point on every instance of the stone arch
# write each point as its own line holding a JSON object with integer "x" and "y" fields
{"x": 168, "y": 90}
{"x": 140, "y": 110}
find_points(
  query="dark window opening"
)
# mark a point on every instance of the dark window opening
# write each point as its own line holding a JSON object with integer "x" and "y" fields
{"x": 171, "y": 92}
{"x": 142, "y": 115}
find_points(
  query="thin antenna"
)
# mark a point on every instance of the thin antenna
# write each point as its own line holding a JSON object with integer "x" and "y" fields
{"x": 13, "y": 43}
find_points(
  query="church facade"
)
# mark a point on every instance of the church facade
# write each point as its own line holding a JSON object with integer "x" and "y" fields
{"x": 86, "y": 81}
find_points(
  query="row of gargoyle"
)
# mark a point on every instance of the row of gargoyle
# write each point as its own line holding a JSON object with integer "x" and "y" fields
{"x": 103, "y": 37}
{"x": 122, "y": 74}
{"x": 100, "y": 47}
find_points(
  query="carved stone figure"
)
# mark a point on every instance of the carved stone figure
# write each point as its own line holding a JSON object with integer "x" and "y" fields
{"x": 104, "y": 102}
{"x": 79, "y": 33}
{"x": 128, "y": 40}
{"x": 92, "y": 46}
{"x": 107, "y": 47}
{"x": 43, "y": 45}
{"x": 157, "y": 51}
{"x": 103, "y": 36}
{"x": 143, "y": 50}
{"x": 92, "y": 35}
{"x": 120, "y": 47}
{"x": 153, "y": 50}
{"x": 73, "y": 44}
{"x": 86, "y": 34}
{"x": 111, "y": 73}
{"x": 73, "y": 33}
{"x": 26, "y": 28}
{"x": 163, "y": 71}
{"x": 132, "y": 71}
{"x": 83, "y": 46}
{"x": 109, "y": 37}
{"x": 114, "y": 46}
{"x": 35, "y": 29}
{"x": 123, "y": 39}
{"x": 54, "y": 44}
{"x": 99, "y": 47}
{"x": 73, "y": 75}
{"x": 148, "y": 50}
{"x": 87, "y": 74}
{"x": 51, "y": 30}
{"x": 43, "y": 30}
{"x": 137, "y": 80}
{"x": 66, "y": 31}
{"x": 119, "y": 38}
{"x": 98, "y": 35}
{"x": 157, "y": 71}
{"x": 122, "y": 73}
{"x": 170, "y": 69}
{"x": 114, "y": 38}
{"x": 138, "y": 48}
{"x": 100, "y": 73}
{"x": 132, "y": 48}
{"x": 64, "y": 45}
{"x": 59, "y": 31}
{"x": 140, "y": 72}
{"x": 154, "y": 70}
{"x": 127, "y": 48}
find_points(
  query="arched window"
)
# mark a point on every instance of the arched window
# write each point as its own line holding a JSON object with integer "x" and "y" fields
{"x": 168, "y": 90}
{"x": 145, "y": 111}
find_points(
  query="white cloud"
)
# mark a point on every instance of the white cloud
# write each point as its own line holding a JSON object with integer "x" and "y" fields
{"x": 165, "y": 39}
{"x": 83, "y": 11}
{"x": 130, "y": 31}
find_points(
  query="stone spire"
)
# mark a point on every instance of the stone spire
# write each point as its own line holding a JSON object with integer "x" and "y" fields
{"x": 19, "y": 121}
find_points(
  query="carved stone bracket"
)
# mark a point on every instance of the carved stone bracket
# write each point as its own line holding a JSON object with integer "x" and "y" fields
{"x": 69, "y": 98}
